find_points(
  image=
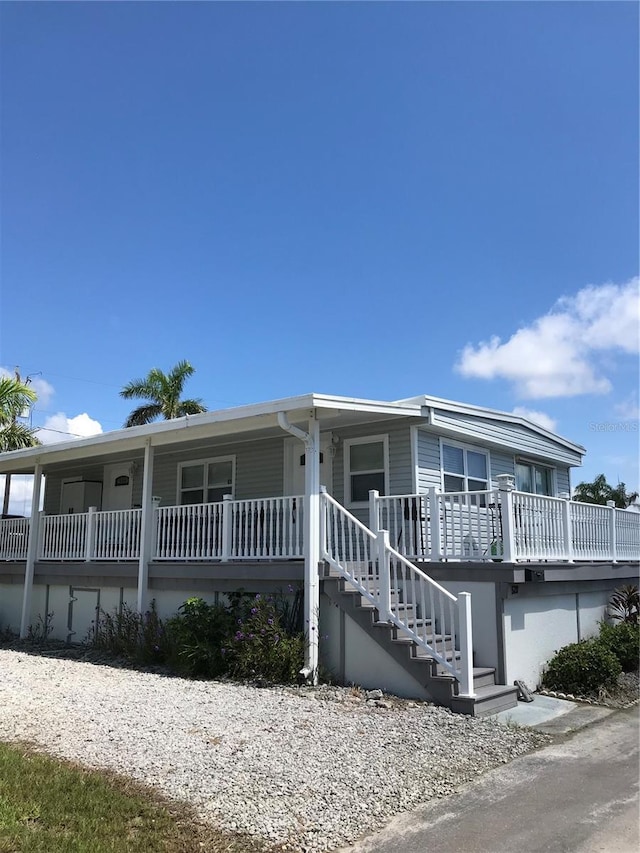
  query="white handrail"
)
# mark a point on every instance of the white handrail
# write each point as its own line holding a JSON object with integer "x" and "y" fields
{"x": 405, "y": 596}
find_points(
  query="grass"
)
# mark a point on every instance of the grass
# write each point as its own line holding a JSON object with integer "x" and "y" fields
{"x": 52, "y": 806}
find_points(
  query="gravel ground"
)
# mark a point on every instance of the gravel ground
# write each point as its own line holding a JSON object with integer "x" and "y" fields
{"x": 311, "y": 769}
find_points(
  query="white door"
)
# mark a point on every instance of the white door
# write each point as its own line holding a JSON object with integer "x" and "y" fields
{"x": 294, "y": 461}
{"x": 117, "y": 486}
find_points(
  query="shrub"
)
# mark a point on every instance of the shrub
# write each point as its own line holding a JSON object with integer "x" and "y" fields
{"x": 624, "y": 604}
{"x": 261, "y": 646}
{"x": 623, "y": 639}
{"x": 582, "y": 668}
{"x": 137, "y": 637}
{"x": 198, "y": 635}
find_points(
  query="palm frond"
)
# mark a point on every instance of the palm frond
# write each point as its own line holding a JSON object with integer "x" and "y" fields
{"x": 17, "y": 436}
{"x": 143, "y": 415}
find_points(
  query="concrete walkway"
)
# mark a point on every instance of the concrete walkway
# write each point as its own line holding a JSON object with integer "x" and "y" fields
{"x": 579, "y": 795}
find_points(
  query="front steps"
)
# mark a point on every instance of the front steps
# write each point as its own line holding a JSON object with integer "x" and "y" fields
{"x": 490, "y": 698}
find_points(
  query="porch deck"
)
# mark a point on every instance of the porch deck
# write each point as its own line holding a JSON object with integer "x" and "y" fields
{"x": 497, "y": 524}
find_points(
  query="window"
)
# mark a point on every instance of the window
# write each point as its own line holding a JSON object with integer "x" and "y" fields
{"x": 464, "y": 469}
{"x": 205, "y": 481}
{"x": 366, "y": 467}
{"x": 533, "y": 478}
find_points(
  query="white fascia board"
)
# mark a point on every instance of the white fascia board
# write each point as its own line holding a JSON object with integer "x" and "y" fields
{"x": 208, "y": 424}
{"x": 494, "y": 414}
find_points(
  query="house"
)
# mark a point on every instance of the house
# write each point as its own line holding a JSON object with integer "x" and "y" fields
{"x": 440, "y": 554}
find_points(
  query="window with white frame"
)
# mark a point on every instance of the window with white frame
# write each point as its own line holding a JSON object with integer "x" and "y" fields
{"x": 205, "y": 480}
{"x": 534, "y": 478}
{"x": 464, "y": 469}
{"x": 366, "y": 467}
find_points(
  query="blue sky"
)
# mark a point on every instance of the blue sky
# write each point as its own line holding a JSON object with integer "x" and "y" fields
{"x": 375, "y": 200}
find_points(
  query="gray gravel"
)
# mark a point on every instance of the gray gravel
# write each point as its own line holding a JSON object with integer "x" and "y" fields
{"x": 310, "y": 768}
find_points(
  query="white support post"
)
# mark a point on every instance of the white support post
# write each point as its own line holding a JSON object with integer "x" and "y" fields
{"x": 567, "y": 530}
{"x": 384, "y": 575}
{"x": 146, "y": 529}
{"x": 612, "y": 531}
{"x": 374, "y": 511}
{"x": 434, "y": 523}
{"x": 466, "y": 644}
{"x": 32, "y": 552}
{"x": 323, "y": 523}
{"x": 506, "y": 486}
{"x": 90, "y": 534}
{"x": 227, "y": 526}
{"x": 312, "y": 547}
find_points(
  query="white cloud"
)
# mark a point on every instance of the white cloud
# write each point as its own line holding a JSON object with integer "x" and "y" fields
{"x": 628, "y": 410}
{"x": 59, "y": 427}
{"x": 557, "y": 355}
{"x": 540, "y": 418}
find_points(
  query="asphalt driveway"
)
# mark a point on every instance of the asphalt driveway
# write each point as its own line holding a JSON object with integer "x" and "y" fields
{"x": 579, "y": 795}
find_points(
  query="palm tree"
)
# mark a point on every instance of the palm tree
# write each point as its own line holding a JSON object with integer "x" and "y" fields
{"x": 599, "y": 492}
{"x": 15, "y": 397}
{"x": 162, "y": 392}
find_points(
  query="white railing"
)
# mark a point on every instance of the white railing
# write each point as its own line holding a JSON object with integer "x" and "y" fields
{"x": 504, "y": 524}
{"x": 114, "y": 535}
{"x": 470, "y": 525}
{"x": 590, "y": 531}
{"x": 407, "y": 519}
{"x": 64, "y": 537}
{"x": 350, "y": 547}
{"x": 267, "y": 528}
{"x": 405, "y": 596}
{"x": 190, "y": 532}
{"x": 539, "y": 527}
{"x": 627, "y": 534}
{"x": 14, "y": 538}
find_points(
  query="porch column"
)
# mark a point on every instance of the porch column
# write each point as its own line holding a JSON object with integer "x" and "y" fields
{"x": 146, "y": 529}
{"x": 32, "y": 552}
{"x": 312, "y": 545}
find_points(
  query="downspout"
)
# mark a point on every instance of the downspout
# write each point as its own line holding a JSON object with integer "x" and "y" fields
{"x": 309, "y": 671}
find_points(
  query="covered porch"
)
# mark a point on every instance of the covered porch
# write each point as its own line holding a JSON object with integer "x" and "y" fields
{"x": 499, "y": 524}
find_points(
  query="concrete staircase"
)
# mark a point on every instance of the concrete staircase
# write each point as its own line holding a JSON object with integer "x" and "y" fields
{"x": 490, "y": 698}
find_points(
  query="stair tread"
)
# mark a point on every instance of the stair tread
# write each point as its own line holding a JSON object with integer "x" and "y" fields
{"x": 491, "y": 690}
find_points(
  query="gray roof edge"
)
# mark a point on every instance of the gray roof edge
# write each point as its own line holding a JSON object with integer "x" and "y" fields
{"x": 498, "y": 414}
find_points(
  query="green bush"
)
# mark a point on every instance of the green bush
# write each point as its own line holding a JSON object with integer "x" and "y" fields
{"x": 263, "y": 645}
{"x": 623, "y": 639}
{"x": 582, "y": 668}
{"x": 251, "y": 637}
{"x": 197, "y": 636}
{"x": 137, "y": 637}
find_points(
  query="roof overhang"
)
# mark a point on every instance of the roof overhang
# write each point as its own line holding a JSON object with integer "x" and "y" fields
{"x": 259, "y": 420}
{"x": 430, "y": 404}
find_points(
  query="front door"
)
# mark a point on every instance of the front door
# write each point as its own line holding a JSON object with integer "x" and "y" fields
{"x": 117, "y": 486}
{"x": 295, "y": 465}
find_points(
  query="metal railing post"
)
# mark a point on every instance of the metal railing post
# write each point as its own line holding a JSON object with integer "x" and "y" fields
{"x": 612, "y": 531}
{"x": 434, "y": 523}
{"x": 384, "y": 575}
{"x": 506, "y": 486}
{"x": 89, "y": 534}
{"x": 227, "y": 526}
{"x": 466, "y": 644}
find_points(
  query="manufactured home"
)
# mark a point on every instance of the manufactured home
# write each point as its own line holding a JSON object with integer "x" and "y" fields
{"x": 439, "y": 550}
